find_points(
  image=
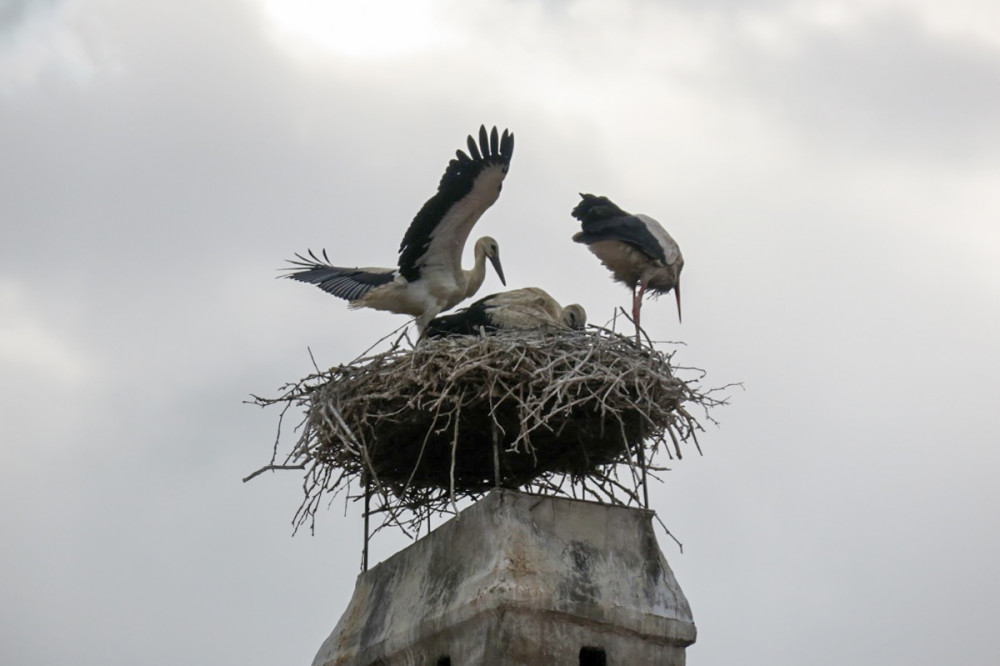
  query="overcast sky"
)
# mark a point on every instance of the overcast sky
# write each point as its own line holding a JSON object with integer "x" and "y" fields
{"x": 830, "y": 171}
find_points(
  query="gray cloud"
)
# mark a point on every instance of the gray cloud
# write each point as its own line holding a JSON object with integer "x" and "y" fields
{"x": 14, "y": 13}
{"x": 836, "y": 265}
{"x": 885, "y": 85}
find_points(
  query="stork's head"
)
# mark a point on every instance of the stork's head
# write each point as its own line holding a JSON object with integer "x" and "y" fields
{"x": 574, "y": 316}
{"x": 490, "y": 249}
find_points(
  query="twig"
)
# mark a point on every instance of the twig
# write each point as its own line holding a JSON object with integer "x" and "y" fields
{"x": 272, "y": 468}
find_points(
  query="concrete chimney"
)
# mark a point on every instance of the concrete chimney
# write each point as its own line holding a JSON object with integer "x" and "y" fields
{"x": 519, "y": 579}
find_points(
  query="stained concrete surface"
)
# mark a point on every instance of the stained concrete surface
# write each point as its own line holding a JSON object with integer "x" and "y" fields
{"x": 519, "y": 579}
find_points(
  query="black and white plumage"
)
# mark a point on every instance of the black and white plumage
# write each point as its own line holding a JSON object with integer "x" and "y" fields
{"x": 638, "y": 251}
{"x": 517, "y": 309}
{"x": 429, "y": 277}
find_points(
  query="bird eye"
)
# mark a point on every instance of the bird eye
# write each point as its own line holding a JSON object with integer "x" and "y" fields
{"x": 499, "y": 187}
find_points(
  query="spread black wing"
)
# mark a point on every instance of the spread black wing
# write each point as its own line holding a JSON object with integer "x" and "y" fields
{"x": 443, "y": 213}
{"x": 601, "y": 220}
{"x": 347, "y": 283}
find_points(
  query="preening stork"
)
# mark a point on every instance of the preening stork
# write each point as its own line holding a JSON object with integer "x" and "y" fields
{"x": 518, "y": 309}
{"x": 638, "y": 251}
{"x": 429, "y": 278}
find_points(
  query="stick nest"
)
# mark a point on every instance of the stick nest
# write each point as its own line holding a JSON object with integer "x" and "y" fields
{"x": 458, "y": 416}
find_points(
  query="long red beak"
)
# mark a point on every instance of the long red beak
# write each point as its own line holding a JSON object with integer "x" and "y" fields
{"x": 677, "y": 295}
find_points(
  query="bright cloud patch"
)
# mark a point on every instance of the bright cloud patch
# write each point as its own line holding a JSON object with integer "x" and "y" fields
{"x": 26, "y": 342}
{"x": 379, "y": 28}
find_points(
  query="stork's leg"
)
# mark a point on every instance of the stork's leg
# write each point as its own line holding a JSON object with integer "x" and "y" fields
{"x": 425, "y": 319}
{"x": 635, "y": 313}
{"x": 637, "y": 310}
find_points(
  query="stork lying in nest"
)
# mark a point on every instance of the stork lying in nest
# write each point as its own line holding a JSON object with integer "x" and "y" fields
{"x": 525, "y": 309}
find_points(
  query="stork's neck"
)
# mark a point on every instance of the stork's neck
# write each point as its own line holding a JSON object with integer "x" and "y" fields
{"x": 474, "y": 278}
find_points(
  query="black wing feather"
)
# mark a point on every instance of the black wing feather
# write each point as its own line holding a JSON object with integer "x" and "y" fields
{"x": 507, "y": 145}
{"x": 347, "y": 283}
{"x": 602, "y": 220}
{"x": 456, "y": 182}
{"x": 593, "y": 208}
{"x": 467, "y": 321}
{"x": 484, "y": 142}
{"x": 474, "y": 150}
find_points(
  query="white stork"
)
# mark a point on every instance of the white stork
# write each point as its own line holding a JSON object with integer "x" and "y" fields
{"x": 518, "y": 309}
{"x": 429, "y": 278}
{"x": 638, "y": 251}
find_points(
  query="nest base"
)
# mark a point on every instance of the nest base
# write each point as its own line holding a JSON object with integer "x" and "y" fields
{"x": 456, "y": 417}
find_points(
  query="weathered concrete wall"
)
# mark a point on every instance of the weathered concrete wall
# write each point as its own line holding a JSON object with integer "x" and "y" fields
{"x": 519, "y": 579}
